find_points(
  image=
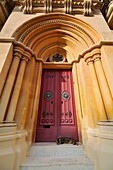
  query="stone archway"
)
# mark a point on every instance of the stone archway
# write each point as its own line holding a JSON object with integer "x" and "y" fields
{"x": 35, "y": 41}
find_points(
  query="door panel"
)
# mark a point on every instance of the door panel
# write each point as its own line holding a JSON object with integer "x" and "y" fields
{"x": 67, "y": 109}
{"x": 56, "y": 109}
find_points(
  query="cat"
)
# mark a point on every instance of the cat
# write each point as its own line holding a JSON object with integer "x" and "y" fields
{"x": 65, "y": 140}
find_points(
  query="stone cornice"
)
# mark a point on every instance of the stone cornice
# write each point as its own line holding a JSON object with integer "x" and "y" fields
{"x": 65, "y": 6}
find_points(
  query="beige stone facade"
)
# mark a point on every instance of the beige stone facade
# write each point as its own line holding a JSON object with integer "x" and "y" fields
{"x": 26, "y": 42}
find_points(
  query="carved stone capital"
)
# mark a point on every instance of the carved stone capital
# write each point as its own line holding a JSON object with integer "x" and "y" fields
{"x": 89, "y": 60}
{"x": 22, "y": 52}
{"x": 18, "y": 51}
{"x": 93, "y": 56}
{"x": 26, "y": 56}
{"x": 96, "y": 57}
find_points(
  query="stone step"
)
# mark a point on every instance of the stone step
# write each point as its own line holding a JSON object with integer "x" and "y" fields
{"x": 49, "y": 156}
{"x": 53, "y": 150}
{"x": 61, "y": 163}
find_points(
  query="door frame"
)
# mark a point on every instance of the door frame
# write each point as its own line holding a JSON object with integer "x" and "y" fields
{"x": 63, "y": 66}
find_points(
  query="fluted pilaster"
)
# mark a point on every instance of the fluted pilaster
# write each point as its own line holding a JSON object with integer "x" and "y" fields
{"x": 23, "y": 102}
{"x": 104, "y": 87}
{"x": 98, "y": 102}
{"x": 10, "y": 82}
{"x": 77, "y": 100}
{"x": 36, "y": 100}
{"x": 17, "y": 88}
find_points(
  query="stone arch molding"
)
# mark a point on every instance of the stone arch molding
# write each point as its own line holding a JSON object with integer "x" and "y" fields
{"x": 52, "y": 33}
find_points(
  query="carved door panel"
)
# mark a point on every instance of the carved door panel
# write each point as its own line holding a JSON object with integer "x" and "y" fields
{"x": 56, "y": 110}
{"x": 67, "y": 125}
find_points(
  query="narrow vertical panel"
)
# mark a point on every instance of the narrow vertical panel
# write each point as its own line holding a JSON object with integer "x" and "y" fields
{"x": 67, "y": 98}
{"x": 68, "y": 125}
{"x": 62, "y": 101}
{"x": 47, "y": 99}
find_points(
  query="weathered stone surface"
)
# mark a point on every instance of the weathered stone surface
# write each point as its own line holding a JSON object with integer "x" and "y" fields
{"x": 50, "y": 156}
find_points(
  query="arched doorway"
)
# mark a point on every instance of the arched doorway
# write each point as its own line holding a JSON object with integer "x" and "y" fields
{"x": 62, "y": 35}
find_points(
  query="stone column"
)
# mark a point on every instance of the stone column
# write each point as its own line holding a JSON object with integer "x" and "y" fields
{"x": 30, "y": 117}
{"x": 23, "y": 102}
{"x": 36, "y": 100}
{"x": 104, "y": 87}
{"x": 100, "y": 113}
{"x": 16, "y": 92}
{"x": 77, "y": 99}
{"x": 86, "y": 108}
{"x": 10, "y": 82}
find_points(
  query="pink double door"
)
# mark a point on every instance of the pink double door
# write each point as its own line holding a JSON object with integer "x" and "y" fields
{"x": 57, "y": 114}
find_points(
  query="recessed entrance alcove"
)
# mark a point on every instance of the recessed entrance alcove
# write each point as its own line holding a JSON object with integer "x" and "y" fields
{"x": 57, "y": 42}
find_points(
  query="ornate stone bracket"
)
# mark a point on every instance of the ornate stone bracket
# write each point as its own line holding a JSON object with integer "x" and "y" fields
{"x": 65, "y": 6}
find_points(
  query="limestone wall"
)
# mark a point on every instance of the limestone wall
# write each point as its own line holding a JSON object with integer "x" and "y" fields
{"x": 13, "y": 146}
{"x": 99, "y": 145}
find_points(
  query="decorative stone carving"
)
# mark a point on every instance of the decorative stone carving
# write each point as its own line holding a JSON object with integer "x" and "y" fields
{"x": 65, "y": 6}
{"x": 87, "y": 8}
{"x": 56, "y": 58}
{"x": 109, "y": 15}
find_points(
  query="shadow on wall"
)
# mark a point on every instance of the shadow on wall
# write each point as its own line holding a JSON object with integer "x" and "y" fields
{"x": 6, "y": 7}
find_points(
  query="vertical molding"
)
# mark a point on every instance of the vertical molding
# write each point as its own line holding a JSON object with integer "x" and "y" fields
{"x": 16, "y": 92}
{"x": 47, "y": 3}
{"x": 23, "y": 102}
{"x": 104, "y": 87}
{"x": 77, "y": 100}
{"x": 107, "y": 64}
{"x": 45, "y": 6}
{"x": 5, "y": 66}
{"x": 82, "y": 87}
{"x": 51, "y": 6}
{"x": 30, "y": 119}
{"x": 98, "y": 102}
{"x": 86, "y": 98}
{"x": 37, "y": 98}
{"x": 65, "y": 6}
{"x": 10, "y": 82}
{"x": 71, "y": 8}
